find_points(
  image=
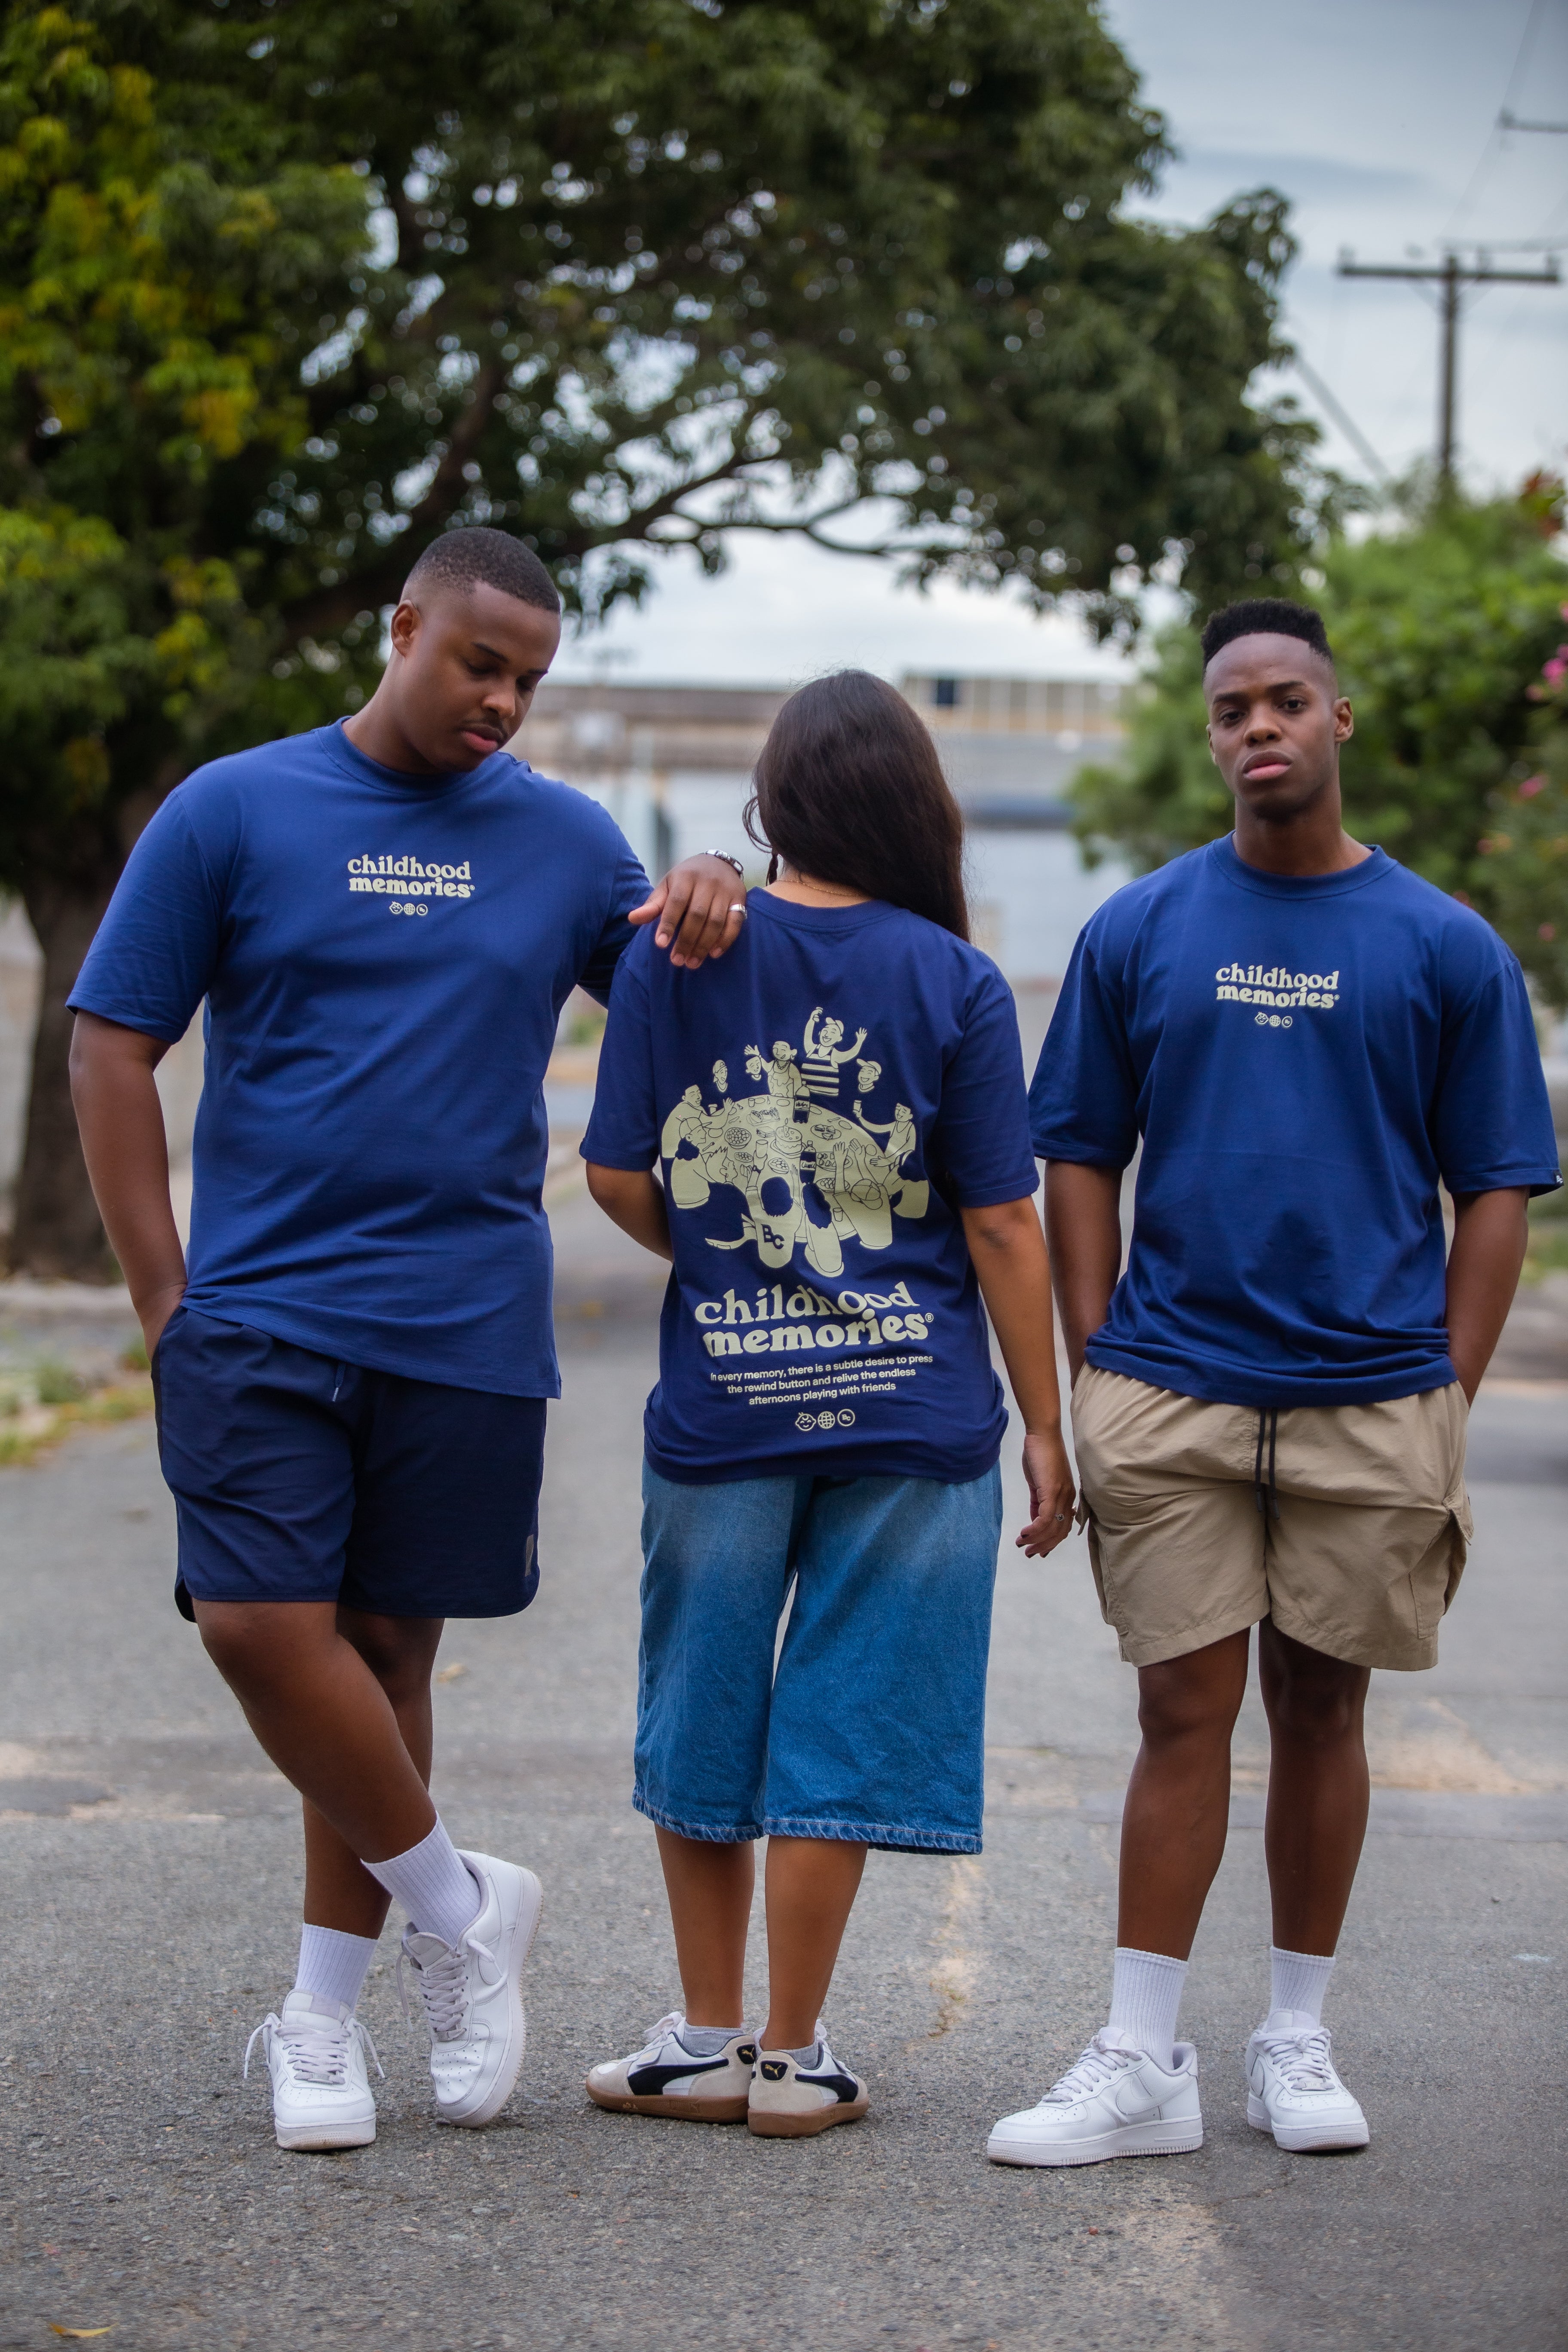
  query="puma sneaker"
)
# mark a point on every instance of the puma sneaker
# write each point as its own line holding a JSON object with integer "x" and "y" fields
{"x": 1293, "y": 2091}
{"x": 790, "y": 2100}
{"x": 665, "y": 2078}
{"x": 471, "y": 1993}
{"x": 316, "y": 2054}
{"x": 1117, "y": 2101}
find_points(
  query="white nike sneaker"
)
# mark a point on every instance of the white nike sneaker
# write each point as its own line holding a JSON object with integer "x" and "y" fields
{"x": 1117, "y": 2101}
{"x": 664, "y": 2078}
{"x": 472, "y": 1993}
{"x": 1293, "y": 2091}
{"x": 790, "y": 2100}
{"x": 315, "y": 2054}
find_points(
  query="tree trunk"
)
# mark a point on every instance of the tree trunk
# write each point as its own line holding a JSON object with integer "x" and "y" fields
{"x": 56, "y": 1231}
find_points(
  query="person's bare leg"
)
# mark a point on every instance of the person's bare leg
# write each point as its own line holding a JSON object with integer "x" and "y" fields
{"x": 709, "y": 1890}
{"x": 811, "y": 1883}
{"x": 1178, "y": 1798}
{"x": 1318, "y": 1788}
{"x": 400, "y": 1652}
{"x": 322, "y": 1717}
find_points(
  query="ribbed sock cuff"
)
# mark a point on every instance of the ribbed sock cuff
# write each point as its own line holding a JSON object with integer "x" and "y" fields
{"x": 333, "y": 1965}
{"x": 1298, "y": 1981}
{"x": 1146, "y": 2000}
{"x": 433, "y": 1885}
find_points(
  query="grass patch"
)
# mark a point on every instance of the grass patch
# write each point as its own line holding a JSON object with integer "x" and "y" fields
{"x": 125, "y": 1401}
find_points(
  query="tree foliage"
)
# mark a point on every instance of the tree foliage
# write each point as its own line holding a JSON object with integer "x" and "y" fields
{"x": 286, "y": 289}
{"x": 1439, "y": 631}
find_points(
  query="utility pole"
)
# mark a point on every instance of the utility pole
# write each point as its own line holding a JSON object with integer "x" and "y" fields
{"x": 1451, "y": 274}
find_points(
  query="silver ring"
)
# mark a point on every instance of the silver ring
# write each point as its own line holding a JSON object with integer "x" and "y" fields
{"x": 739, "y": 907}
{"x": 1059, "y": 1516}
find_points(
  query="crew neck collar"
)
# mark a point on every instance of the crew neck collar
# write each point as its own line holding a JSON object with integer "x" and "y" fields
{"x": 816, "y": 919}
{"x": 399, "y": 780}
{"x": 1236, "y": 869}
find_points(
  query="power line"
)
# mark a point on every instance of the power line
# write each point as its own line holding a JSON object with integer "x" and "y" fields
{"x": 1487, "y": 155}
{"x": 1346, "y": 422}
{"x": 1451, "y": 275}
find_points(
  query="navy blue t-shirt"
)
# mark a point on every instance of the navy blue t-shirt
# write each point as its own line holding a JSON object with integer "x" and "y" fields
{"x": 824, "y": 1101}
{"x": 384, "y": 959}
{"x": 1304, "y": 1060}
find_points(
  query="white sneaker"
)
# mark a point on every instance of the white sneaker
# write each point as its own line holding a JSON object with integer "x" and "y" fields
{"x": 315, "y": 2054}
{"x": 664, "y": 2078}
{"x": 790, "y": 2100}
{"x": 1117, "y": 2101}
{"x": 1293, "y": 2091}
{"x": 472, "y": 1993}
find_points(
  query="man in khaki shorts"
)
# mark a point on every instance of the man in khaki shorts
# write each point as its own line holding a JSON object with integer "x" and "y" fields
{"x": 1270, "y": 1406}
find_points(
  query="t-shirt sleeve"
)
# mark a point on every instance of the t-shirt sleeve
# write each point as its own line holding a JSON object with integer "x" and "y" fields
{"x": 1491, "y": 1116}
{"x": 623, "y": 1131}
{"x": 156, "y": 949}
{"x": 1083, "y": 1104}
{"x": 628, "y": 887}
{"x": 982, "y": 1129}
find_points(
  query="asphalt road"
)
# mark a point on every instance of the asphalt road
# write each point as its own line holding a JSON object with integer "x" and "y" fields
{"x": 150, "y": 1864}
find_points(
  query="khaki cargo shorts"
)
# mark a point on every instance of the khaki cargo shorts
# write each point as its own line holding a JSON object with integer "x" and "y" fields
{"x": 1356, "y": 1546}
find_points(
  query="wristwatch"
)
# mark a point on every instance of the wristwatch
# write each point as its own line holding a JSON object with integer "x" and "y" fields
{"x": 727, "y": 859}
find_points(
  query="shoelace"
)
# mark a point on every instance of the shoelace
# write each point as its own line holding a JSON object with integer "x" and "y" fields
{"x": 443, "y": 1984}
{"x": 1302, "y": 2059}
{"x": 1092, "y": 2073}
{"x": 316, "y": 2049}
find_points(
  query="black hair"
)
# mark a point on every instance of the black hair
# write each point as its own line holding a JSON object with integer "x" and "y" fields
{"x": 473, "y": 555}
{"x": 1265, "y": 616}
{"x": 849, "y": 789}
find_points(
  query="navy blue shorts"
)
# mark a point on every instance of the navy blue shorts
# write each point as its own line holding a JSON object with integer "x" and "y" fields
{"x": 295, "y": 1478}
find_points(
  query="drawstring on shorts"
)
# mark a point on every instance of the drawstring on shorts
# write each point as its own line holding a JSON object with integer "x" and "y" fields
{"x": 1267, "y": 1425}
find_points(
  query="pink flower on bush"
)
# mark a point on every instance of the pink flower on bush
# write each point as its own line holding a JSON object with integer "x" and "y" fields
{"x": 1530, "y": 786}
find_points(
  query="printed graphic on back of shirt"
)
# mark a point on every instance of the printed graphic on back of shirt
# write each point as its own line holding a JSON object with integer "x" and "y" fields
{"x": 806, "y": 1180}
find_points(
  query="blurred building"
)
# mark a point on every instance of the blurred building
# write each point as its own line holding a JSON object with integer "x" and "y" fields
{"x": 672, "y": 765}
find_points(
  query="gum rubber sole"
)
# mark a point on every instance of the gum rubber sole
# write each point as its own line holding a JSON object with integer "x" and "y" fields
{"x": 776, "y": 2123}
{"x": 676, "y": 2110}
{"x": 1306, "y": 2139}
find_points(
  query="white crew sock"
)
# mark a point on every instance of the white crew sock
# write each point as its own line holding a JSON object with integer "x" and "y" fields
{"x": 1300, "y": 1982}
{"x": 1146, "y": 1999}
{"x": 433, "y": 1885}
{"x": 332, "y": 1965}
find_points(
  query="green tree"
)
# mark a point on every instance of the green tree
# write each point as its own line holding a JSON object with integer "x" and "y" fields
{"x": 288, "y": 289}
{"x": 1525, "y": 844}
{"x": 1440, "y": 633}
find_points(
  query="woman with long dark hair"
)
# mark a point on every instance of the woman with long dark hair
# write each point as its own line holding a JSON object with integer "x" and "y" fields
{"x": 838, "y": 1115}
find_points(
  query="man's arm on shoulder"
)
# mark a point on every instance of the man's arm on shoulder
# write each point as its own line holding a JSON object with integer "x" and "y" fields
{"x": 1491, "y": 1230}
{"x": 699, "y": 906}
{"x": 127, "y": 1154}
{"x": 1083, "y": 1233}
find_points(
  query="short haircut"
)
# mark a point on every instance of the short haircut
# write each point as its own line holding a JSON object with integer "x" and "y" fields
{"x": 473, "y": 556}
{"x": 1265, "y": 616}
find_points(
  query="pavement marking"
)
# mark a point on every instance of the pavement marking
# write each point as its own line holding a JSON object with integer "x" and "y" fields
{"x": 953, "y": 1978}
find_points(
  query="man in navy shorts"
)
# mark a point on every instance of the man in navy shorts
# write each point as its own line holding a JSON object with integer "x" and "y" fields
{"x": 384, "y": 918}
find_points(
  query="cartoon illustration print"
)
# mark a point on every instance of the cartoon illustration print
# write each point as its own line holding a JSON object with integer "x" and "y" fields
{"x": 809, "y": 1176}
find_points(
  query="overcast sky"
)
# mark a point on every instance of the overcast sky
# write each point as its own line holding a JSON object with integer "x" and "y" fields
{"x": 1377, "y": 118}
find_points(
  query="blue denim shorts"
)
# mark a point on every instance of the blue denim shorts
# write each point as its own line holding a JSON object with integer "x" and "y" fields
{"x": 872, "y": 1725}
